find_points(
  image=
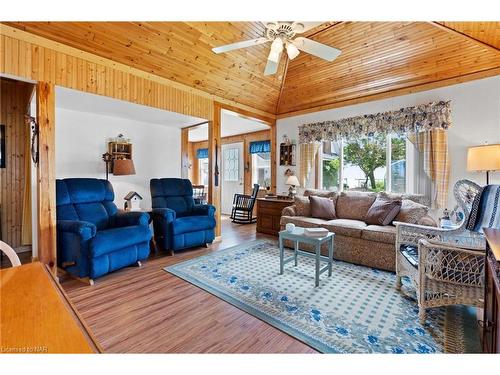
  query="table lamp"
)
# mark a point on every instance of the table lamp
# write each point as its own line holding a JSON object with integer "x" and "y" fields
{"x": 484, "y": 158}
{"x": 293, "y": 181}
{"x": 123, "y": 167}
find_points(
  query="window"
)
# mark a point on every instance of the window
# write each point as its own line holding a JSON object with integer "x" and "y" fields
{"x": 203, "y": 170}
{"x": 231, "y": 164}
{"x": 372, "y": 164}
{"x": 261, "y": 169}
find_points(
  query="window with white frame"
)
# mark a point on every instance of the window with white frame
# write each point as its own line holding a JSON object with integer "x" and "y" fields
{"x": 380, "y": 163}
{"x": 203, "y": 171}
{"x": 261, "y": 169}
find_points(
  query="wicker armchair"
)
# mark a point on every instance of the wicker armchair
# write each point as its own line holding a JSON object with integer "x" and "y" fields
{"x": 446, "y": 266}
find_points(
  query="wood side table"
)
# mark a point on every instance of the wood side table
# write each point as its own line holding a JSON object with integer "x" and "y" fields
{"x": 269, "y": 214}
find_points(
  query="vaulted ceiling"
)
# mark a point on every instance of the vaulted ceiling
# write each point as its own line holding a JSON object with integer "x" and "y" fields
{"x": 377, "y": 57}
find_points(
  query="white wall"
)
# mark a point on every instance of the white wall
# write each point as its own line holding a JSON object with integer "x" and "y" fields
{"x": 475, "y": 115}
{"x": 81, "y": 139}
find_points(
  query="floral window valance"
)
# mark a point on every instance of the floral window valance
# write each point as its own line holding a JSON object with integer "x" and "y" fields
{"x": 435, "y": 115}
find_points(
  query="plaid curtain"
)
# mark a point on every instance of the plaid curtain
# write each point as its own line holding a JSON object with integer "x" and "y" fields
{"x": 308, "y": 153}
{"x": 433, "y": 147}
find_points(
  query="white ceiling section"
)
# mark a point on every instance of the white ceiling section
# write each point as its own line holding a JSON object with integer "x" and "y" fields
{"x": 231, "y": 124}
{"x": 85, "y": 102}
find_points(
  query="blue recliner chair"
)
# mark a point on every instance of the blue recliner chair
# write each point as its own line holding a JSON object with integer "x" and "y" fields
{"x": 178, "y": 222}
{"x": 93, "y": 237}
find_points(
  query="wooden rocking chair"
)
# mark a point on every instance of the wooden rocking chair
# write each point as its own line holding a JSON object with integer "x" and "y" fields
{"x": 242, "y": 212}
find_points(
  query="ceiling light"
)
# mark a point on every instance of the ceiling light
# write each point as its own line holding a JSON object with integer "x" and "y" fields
{"x": 277, "y": 45}
{"x": 274, "y": 56}
{"x": 292, "y": 51}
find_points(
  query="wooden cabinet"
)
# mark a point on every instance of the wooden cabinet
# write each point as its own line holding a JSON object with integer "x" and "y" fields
{"x": 269, "y": 214}
{"x": 119, "y": 150}
{"x": 491, "y": 320}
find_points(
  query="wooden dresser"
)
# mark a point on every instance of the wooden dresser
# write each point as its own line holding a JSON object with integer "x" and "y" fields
{"x": 269, "y": 214}
{"x": 491, "y": 320}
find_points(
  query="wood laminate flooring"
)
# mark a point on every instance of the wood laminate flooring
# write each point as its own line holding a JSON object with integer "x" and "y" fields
{"x": 147, "y": 310}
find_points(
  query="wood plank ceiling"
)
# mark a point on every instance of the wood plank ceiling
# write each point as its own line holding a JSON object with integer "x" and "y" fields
{"x": 377, "y": 57}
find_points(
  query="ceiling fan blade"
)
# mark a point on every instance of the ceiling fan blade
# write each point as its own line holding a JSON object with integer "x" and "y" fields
{"x": 317, "y": 49}
{"x": 272, "y": 66}
{"x": 302, "y": 27}
{"x": 238, "y": 45}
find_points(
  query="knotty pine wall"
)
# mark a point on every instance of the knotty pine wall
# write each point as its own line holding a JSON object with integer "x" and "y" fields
{"x": 14, "y": 101}
{"x": 33, "y": 61}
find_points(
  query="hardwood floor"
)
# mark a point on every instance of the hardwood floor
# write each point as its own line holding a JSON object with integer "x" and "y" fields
{"x": 147, "y": 310}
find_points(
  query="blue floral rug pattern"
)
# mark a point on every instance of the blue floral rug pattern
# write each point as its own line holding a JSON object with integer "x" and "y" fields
{"x": 357, "y": 310}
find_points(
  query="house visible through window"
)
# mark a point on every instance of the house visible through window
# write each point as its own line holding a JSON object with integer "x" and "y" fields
{"x": 261, "y": 169}
{"x": 372, "y": 164}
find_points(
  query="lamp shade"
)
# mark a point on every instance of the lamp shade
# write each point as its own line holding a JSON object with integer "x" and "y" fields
{"x": 483, "y": 158}
{"x": 123, "y": 167}
{"x": 292, "y": 180}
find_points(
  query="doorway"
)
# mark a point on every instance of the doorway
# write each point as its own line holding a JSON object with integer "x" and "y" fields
{"x": 231, "y": 174}
{"x": 16, "y": 168}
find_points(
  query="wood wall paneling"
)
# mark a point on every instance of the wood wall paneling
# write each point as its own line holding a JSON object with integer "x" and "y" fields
{"x": 214, "y": 164}
{"x": 185, "y": 153}
{"x": 46, "y": 175}
{"x": 15, "y": 97}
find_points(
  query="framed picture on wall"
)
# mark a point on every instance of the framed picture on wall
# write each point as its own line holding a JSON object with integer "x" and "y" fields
{"x": 3, "y": 156}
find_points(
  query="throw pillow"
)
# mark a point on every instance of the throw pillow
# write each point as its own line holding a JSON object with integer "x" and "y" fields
{"x": 411, "y": 212}
{"x": 383, "y": 211}
{"x": 322, "y": 208}
{"x": 302, "y": 206}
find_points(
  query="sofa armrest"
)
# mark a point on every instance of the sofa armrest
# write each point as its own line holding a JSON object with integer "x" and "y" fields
{"x": 289, "y": 211}
{"x": 84, "y": 229}
{"x": 203, "y": 210}
{"x": 165, "y": 214}
{"x": 127, "y": 218}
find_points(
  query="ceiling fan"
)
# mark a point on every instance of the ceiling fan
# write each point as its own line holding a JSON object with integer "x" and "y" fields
{"x": 283, "y": 36}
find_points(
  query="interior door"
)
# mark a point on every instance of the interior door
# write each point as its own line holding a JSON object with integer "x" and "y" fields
{"x": 231, "y": 174}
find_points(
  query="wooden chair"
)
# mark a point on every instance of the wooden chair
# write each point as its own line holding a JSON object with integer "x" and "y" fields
{"x": 446, "y": 266}
{"x": 11, "y": 254}
{"x": 199, "y": 195}
{"x": 242, "y": 212}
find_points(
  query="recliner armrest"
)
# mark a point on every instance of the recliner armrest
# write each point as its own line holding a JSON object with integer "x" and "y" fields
{"x": 164, "y": 214}
{"x": 84, "y": 229}
{"x": 203, "y": 210}
{"x": 128, "y": 218}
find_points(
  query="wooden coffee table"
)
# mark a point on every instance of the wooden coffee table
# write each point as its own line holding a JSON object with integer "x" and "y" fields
{"x": 297, "y": 236}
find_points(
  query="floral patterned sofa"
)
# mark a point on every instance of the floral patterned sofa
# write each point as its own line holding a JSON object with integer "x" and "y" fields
{"x": 355, "y": 241}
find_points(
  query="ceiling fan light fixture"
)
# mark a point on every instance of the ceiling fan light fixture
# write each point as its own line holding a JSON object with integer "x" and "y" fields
{"x": 292, "y": 51}
{"x": 274, "y": 56}
{"x": 277, "y": 45}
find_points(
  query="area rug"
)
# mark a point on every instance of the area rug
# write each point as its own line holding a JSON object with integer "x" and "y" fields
{"x": 356, "y": 310}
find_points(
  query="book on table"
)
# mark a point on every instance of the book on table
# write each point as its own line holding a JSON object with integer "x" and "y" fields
{"x": 315, "y": 232}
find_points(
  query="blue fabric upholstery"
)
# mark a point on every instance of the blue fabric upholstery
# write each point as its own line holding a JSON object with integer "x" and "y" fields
{"x": 178, "y": 223}
{"x": 93, "y": 237}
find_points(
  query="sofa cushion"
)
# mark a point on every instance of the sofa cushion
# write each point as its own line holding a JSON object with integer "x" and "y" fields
{"x": 417, "y": 198}
{"x": 302, "y": 206}
{"x": 320, "y": 193}
{"x": 188, "y": 224}
{"x": 354, "y": 204}
{"x": 109, "y": 240}
{"x": 345, "y": 227}
{"x": 379, "y": 233}
{"x": 383, "y": 211}
{"x": 322, "y": 208}
{"x": 411, "y": 212}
